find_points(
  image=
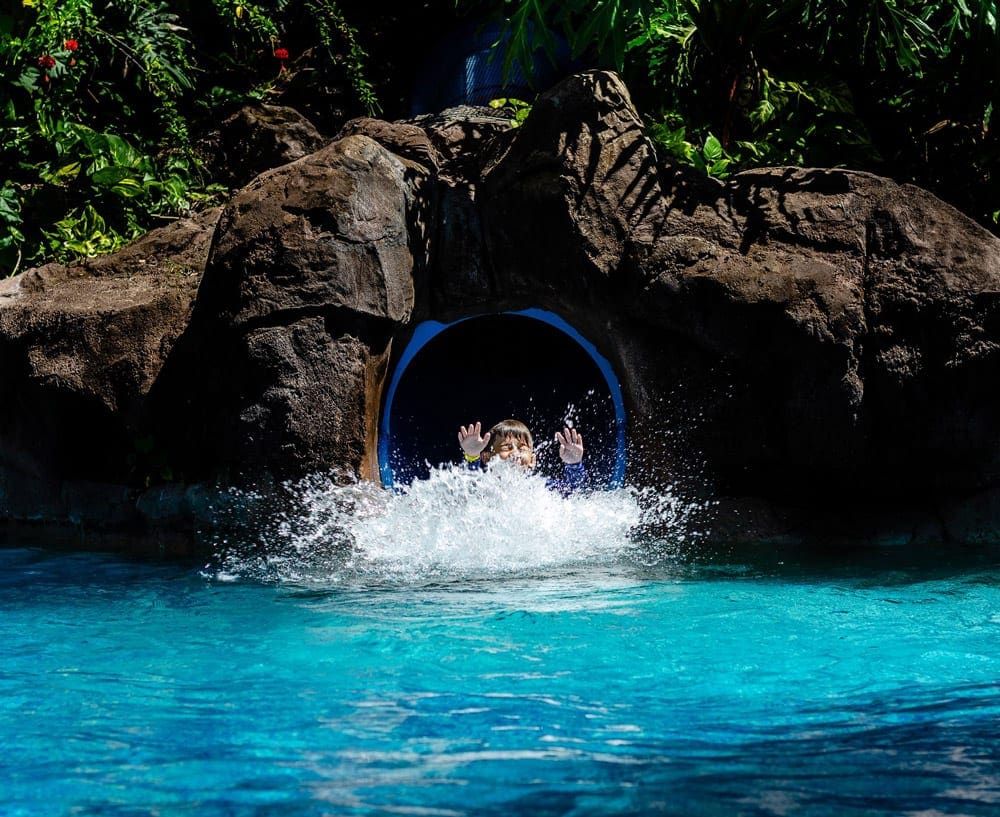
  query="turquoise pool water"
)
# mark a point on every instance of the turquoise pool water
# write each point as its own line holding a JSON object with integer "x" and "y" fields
{"x": 642, "y": 678}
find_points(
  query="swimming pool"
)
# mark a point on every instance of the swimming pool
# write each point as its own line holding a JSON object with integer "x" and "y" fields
{"x": 603, "y": 681}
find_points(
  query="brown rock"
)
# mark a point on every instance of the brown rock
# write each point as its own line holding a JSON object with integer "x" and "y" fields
{"x": 260, "y": 137}
{"x": 818, "y": 349}
{"x": 573, "y": 186}
{"x": 81, "y": 347}
{"x": 311, "y": 271}
{"x": 401, "y": 138}
{"x": 305, "y": 405}
{"x": 330, "y": 230}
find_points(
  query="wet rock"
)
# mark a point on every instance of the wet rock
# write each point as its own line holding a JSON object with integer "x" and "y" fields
{"x": 851, "y": 372}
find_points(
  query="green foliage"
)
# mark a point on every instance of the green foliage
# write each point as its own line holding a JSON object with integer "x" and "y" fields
{"x": 72, "y": 77}
{"x": 903, "y": 87}
{"x": 517, "y": 109}
{"x": 710, "y": 157}
{"x": 334, "y": 31}
{"x": 600, "y": 25}
{"x": 11, "y": 237}
{"x": 150, "y": 463}
{"x": 81, "y": 233}
{"x": 102, "y": 103}
{"x": 327, "y": 41}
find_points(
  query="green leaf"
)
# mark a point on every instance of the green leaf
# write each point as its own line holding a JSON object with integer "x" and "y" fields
{"x": 128, "y": 188}
{"x": 712, "y": 149}
{"x": 122, "y": 153}
{"x": 718, "y": 169}
{"x": 96, "y": 143}
{"x": 109, "y": 176}
{"x": 70, "y": 171}
{"x": 29, "y": 79}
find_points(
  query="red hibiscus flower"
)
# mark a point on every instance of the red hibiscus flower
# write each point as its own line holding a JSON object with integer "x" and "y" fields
{"x": 46, "y": 61}
{"x": 281, "y": 53}
{"x": 71, "y": 45}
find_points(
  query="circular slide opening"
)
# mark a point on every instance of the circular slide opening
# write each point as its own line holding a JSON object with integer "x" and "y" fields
{"x": 529, "y": 365}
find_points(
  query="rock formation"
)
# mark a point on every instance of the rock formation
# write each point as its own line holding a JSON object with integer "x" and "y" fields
{"x": 825, "y": 341}
{"x": 257, "y": 138}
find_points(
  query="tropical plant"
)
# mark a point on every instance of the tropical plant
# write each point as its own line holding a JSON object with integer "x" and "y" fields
{"x": 339, "y": 41}
{"x": 71, "y": 77}
{"x": 102, "y": 105}
{"x": 905, "y": 87}
{"x": 517, "y": 109}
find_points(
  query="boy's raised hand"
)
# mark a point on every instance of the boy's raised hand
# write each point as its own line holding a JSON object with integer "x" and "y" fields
{"x": 570, "y": 446}
{"x": 468, "y": 437}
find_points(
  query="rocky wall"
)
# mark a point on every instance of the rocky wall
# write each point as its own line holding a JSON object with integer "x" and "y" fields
{"x": 813, "y": 349}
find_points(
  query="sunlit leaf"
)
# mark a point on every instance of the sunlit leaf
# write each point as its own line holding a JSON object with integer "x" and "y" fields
{"x": 128, "y": 187}
{"x": 109, "y": 176}
{"x": 712, "y": 149}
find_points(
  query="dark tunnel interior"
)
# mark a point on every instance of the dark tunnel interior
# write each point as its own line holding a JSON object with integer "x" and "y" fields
{"x": 491, "y": 368}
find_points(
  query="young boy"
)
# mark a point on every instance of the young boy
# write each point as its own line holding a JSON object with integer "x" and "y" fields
{"x": 511, "y": 441}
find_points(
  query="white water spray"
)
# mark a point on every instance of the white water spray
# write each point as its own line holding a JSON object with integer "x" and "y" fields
{"x": 455, "y": 524}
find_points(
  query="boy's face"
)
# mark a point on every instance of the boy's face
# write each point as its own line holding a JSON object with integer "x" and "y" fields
{"x": 515, "y": 451}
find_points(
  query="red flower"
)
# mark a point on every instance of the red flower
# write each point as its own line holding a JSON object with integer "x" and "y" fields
{"x": 71, "y": 45}
{"x": 46, "y": 61}
{"x": 281, "y": 53}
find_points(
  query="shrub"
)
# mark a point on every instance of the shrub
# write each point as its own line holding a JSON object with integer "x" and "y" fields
{"x": 102, "y": 104}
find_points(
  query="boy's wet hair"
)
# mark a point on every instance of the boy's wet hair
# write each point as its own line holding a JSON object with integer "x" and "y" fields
{"x": 509, "y": 428}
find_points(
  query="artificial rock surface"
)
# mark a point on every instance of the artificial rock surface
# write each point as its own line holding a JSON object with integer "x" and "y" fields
{"x": 822, "y": 344}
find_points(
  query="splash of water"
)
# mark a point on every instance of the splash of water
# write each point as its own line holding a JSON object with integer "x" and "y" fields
{"x": 455, "y": 524}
